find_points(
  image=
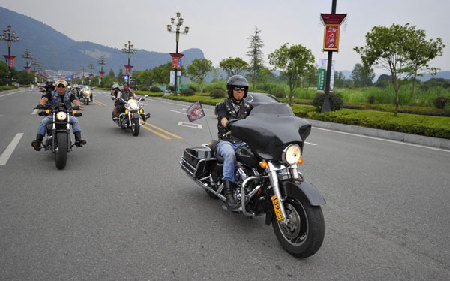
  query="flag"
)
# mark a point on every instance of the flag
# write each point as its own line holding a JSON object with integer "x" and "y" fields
{"x": 195, "y": 112}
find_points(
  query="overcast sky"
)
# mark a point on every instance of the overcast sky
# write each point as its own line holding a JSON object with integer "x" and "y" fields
{"x": 221, "y": 28}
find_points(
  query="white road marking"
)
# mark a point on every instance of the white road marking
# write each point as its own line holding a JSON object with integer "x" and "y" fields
{"x": 9, "y": 149}
{"x": 310, "y": 143}
{"x": 388, "y": 140}
{"x": 190, "y": 125}
{"x": 176, "y": 111}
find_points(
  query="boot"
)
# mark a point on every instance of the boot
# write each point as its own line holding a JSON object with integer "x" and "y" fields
{"x": 228, "y": 192}
{"x": 36, "y": 144}
{"x": 78, "y": 141}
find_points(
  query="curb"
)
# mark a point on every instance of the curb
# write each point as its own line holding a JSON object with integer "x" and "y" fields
{"x": 403, "y": 137}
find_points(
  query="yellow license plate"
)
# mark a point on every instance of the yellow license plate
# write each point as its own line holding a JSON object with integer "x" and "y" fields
{"x": 276, "y": 207}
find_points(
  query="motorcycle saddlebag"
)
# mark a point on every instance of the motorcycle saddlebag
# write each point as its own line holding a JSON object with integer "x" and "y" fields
{"x": 195, "y": 154}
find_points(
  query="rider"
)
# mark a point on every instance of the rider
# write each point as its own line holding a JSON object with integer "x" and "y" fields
{"x": 234, "y": 107}
{"x": 49, "y": 87}
{"x": 115, "y": 89}
{"x": 125, "y": 94}
{"x": 60, "y": 95}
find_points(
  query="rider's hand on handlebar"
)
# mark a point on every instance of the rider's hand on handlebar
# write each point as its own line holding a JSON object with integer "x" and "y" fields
{"x": 40, "y": 106}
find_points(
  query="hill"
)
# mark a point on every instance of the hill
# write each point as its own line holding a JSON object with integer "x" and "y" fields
{"x": 56, "y": 51}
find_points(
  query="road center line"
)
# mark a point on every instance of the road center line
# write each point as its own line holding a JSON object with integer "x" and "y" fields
{"x": 155, "y": 132}
{"x": 164, "y": 131}
{"x": 9, "y": 149}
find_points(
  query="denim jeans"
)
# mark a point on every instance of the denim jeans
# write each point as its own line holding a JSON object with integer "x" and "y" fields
{"x": 48, "y": 119}
{"x": 227, "y": 150}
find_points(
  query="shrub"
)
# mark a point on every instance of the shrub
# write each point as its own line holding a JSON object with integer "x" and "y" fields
{"x": 193, "y": 88}
{"x": 155, "y": 89}
{"x": 336, "y": 101}
{"x": 280, "y": 95}
{"x": 171, "y": 88}
{"x": 371, "y": 99}
{"x": 440, "y": 102}
{"x": 186, "y": 92}
{"x": 218, "y": 93}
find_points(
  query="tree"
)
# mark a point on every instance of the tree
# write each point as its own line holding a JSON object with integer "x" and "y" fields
{"x": 420, "y": 53}
{"x": 234, "y": 66}
{"x": 3, "y": 73}
{"x": 161, "y": 74}
{"x": 383, "y": 81}
{"x": 386, "y": 47}
{"x": 198, "y": 69}
{"x": 361, "y": 76}
{"x": 339, "y": 79}
{"x": 294, "y": 61}
{"x": 256, "y": 55}
{"x": 120, "y": 75}
{"x": 111, "y": 73}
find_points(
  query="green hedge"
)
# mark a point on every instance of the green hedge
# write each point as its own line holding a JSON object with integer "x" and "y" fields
{"x": 152, "y": 94}
{"x": 4, "y": 88}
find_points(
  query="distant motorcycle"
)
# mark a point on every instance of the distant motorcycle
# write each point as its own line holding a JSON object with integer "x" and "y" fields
{"x": 268, "y": 180}
{"x": 58, "y": 132}
{"x": 86, "y": 95}
{"x": 133, "y": 117}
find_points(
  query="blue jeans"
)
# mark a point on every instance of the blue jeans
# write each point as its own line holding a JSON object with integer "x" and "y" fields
{"x": 227, "y": 150}
{"x": 48, "y": 119}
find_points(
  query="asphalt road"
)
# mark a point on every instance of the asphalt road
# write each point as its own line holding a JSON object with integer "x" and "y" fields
{"x": 122, "y": 209}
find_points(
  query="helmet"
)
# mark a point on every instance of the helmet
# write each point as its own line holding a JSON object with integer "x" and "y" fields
{"x": 49, "y": 82}
{"x": 237, "y": 80}
{"x": 61, "y": 82}
{"x": 114, "y": 86}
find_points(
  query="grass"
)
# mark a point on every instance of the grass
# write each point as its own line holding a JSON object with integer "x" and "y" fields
{"x": 4, "y": 88}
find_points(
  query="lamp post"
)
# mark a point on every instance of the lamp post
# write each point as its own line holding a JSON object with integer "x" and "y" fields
{"x": 9, "y": 36}
{"x": 176, "y": 28}
{"x": 101, "y": 61}
{"x": 91, "y": 67}
{"x": 27, "y": 55}
{"x": 128, "y": 49}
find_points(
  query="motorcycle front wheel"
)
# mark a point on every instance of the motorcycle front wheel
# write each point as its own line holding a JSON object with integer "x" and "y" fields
{"x": 61, "y": 151}
{"x": 304, "y": 232}
{"x": 135, "y": 127}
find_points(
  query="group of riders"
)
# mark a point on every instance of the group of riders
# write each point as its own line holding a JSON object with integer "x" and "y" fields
{"x": 232, "y": 108}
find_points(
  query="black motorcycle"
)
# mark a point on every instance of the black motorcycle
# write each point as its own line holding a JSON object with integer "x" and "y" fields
{"x": 58, "y": 132}
{"x": 268, "y": 180}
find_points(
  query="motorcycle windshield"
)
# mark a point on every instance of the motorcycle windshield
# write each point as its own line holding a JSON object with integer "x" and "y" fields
{"x": 269, "y": 134}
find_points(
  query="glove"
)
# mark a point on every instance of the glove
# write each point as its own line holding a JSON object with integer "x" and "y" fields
{"x": 40, "y": 106}
{"x": 229, "y": 123}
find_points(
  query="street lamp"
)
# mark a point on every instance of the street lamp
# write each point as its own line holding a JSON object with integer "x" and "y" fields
{"x": 128, "y": 48}
{"x": 27, "y": 55}
{"x": 176, "y": 28}
{"x": 91, "y": 67}
{"x": 101, "y": 61}
{"x": 9, "y": 36}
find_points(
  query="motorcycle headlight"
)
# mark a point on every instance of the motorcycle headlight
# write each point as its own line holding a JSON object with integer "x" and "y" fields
{"x": 292, "y": 154}
{"x": 61, "y": 116}
{"x": 133, "y": 105}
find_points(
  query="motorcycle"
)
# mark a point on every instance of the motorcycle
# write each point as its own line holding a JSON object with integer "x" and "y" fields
{"x": 133, "y": 117}
{"x": 267, "y": 177}
{"x": 86, "y": 95}
{"x": 58, "y": 132}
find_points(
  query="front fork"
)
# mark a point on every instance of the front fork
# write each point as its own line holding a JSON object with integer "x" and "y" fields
{"x": 277, "y": 199}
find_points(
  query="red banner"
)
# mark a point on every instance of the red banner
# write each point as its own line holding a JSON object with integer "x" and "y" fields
{"x": 128, "y": 69}
{"x": 333, "y": 18}
{"x": 10, "y": 60}
{"x": 101, "y": 74}
{"x": 27, "y": 68}
{"x": 176, "y": 60}
{"x": 331, "y": 37}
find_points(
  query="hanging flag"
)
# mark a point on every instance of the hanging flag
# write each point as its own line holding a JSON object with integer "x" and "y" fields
{"x": 195, "y": 112}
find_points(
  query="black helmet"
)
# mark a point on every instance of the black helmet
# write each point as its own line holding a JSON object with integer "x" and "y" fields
{"x": 237, "y": 81}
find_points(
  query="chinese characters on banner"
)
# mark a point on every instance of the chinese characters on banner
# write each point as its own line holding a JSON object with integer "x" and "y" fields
{"x": 176, "y": 63}
{"x": 10, "y": 60}
{"x": 331, "y": 37}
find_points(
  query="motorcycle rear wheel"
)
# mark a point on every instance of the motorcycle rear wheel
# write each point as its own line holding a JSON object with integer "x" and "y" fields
{"x": 135, "y": 127}
{"x": 61, "y": 151}
{"x": 304, "y": 232}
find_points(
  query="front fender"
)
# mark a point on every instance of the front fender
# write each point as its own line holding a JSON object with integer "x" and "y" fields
{"x": 293, "y": 188}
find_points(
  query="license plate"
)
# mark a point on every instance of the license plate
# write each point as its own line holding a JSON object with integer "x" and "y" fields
{"x": 276, "y": 207}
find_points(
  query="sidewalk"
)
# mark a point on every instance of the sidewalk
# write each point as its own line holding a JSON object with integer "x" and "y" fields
{"x": 408, "y": 138}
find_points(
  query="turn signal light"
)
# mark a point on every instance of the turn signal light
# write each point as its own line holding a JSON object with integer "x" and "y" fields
{"x": 300, "y": 161}
{"x": 263, "y": 164}
{"x": 47, "y": 111}
{"x": 141, "y": 111}
{"x": 126, "y": 111}
{"x": 74, "y": 111}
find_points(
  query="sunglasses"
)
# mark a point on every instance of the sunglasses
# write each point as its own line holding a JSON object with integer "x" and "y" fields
{"x": 61, "y": 86}
{"x": 239, "y": 88}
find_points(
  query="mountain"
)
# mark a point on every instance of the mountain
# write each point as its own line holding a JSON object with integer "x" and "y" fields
{"x": 425, "y": 77}
{"x": 54, "y": 50}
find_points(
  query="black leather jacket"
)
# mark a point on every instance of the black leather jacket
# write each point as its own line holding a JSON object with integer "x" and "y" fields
{"x": 228, "y": 110}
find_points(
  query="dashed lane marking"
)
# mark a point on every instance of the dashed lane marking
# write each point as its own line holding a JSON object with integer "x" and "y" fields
{"x": 10, "y": 149}
{"x": 176, "y": 111}
{"x": 190, "y": 125}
